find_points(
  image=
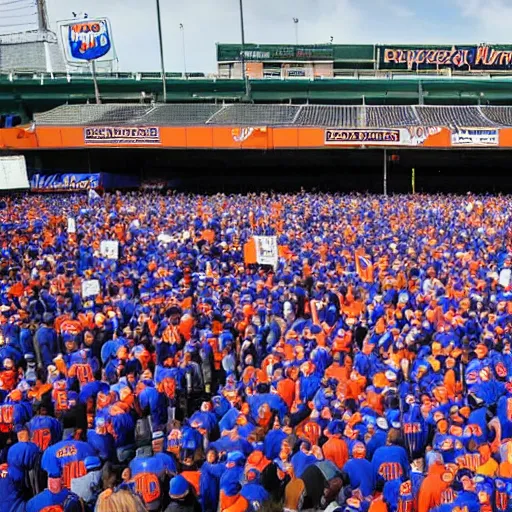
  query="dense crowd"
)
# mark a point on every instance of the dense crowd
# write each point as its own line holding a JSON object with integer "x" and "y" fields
{"x": 369, "y": 370}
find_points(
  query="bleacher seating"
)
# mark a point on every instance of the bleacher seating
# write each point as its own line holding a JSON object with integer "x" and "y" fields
{"x": 390, "y": 116}
{"x": 329, "y": 116}
{"x": 180, "y": 114}
{"x": 240, "y": 114}
{"x": 254, "y": 115}
{"x": 72, "y": 115}
{"x": 450, "y": 116}
{"x": 501, "y": 116}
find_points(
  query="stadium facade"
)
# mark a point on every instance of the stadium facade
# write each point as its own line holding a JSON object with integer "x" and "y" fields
{"x": 387, "y": 107}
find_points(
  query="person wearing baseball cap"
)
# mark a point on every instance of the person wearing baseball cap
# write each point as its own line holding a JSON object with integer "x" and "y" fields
{"x": 182, "y": 496}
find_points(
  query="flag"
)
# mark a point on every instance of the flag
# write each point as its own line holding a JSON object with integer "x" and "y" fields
{"x": 364, "y": 266}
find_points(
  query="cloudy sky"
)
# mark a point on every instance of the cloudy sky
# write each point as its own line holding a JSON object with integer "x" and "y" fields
{"x": 270, "y": 21}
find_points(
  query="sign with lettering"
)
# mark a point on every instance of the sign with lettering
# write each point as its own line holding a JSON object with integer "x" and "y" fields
{"x": 105, "y": 135}
{"x": 475, "y": 137}
{"x": 71, "y": 225}
{"x": 87, "y": 39}
{"x": 109, "y": 249}
{"x": 462, "y": 58}
{"x": 362, "y": 137}
{"x": 274, "y": 52}
{"x": 266, "y": 250}
{"x": 90, "y": 288}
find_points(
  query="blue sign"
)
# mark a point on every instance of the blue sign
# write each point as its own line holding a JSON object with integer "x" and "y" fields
{"x": 89, "y": 39}
{"x": 56, "y": 182}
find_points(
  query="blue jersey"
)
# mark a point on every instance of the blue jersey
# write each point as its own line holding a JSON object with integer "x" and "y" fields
{"x": 46, "y": 501}
{"x": 147, "y": 473}
{"x": 67, "y": 460}
{"x": 10, "y": 491}
{"x": 45, "y": 431}
{"x": 255, "y": 494}
{"x": 360, "y": 474}
{"x": 390, "y": 463}
{"x": 14, "y": 413}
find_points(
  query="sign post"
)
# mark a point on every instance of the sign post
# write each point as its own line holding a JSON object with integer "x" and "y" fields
{"x": 95, "y": 81}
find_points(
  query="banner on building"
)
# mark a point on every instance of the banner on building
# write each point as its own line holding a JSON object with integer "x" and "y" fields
{"x": 60, "y": 182}
{"x": 105, "y": 135}
{"x": 362, "y": 137}
{"x": 90, "y": 288}
{"x": 85, "y": 40}
{"x": 274, "y": 52}
{"x": 110, "y": 249}
{"x": 475, "y": 137}
{"x": 482, "y": 57}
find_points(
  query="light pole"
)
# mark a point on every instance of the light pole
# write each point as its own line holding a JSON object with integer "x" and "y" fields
{"x": 182, "y": 28}
{"x": 296, "y": 24}
{"x": 164, "y": 84}
{"x": 242, "y": 53}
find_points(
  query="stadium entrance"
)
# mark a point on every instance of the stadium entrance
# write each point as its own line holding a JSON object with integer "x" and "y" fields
{"x": 447, "y": 171}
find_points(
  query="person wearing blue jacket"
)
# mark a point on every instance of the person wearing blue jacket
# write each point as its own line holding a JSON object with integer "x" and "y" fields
{"x": 209, "y": 481}
{"x": 390, "y": 462}
{"x": 10, "y": 490}
{"x": 46, "y": 342}
{"x": 359, "y": 470}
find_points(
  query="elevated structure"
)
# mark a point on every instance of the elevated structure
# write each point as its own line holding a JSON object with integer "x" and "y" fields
{"x": 330, "y": 60}
{"x": 35, "y": 50}
{"x": 260, "y": 115}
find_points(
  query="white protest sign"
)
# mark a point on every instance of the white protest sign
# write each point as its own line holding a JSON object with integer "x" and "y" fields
{"x": 164, "y": 238}
{"x": 71, "y": 225}
{"x": 504, "y": 279}
{"x": 266, "y": 250}
{"x": 110, "y": 249}
{"x": 90, "y": 288}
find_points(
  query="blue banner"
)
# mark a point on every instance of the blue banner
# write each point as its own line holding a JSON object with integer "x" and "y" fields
{"x": 89, "y": 40}
{"x": 57, "y": 182}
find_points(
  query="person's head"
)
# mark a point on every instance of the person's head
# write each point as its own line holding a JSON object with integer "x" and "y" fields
{"x": 92, "y": 463}
{"x": 54, "y": 484}
{"x": 23, "y": 435}
{"x": 120, "y": 501}
{"x": 158, "y": 442}
{"x": 178, "y": 488}
{"x": 393, "y": 436}
{"x": 126, "y": 475}
{"x": 211, "y": 456}
{"x": 359, "y": 451}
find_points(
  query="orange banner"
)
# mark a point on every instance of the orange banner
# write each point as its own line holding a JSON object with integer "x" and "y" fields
{"x": 257, "y": 137}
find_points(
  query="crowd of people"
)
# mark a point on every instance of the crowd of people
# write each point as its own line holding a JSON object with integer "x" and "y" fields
{"x": 370, "y": 369}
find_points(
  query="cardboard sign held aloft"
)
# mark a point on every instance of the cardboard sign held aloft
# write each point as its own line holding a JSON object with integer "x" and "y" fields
{"x": 90, "y": 288}
{"x": 71, "y": 225}
{"x": 262, "y": 250}
{"x": 109, "y": 249}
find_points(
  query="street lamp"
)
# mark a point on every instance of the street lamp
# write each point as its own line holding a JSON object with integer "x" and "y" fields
{"x": 182, "y": 28}
{"x": 296, "y": 24}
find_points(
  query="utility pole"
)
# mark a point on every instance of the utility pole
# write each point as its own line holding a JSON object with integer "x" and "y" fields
{"x": 182, "y": 28}
{"x": 162, "y": 64}
{"x": 42, "y": 16}
{"x": 244, "y": 71}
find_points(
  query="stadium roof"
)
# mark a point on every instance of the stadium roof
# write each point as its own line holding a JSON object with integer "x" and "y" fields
{"x": 250, "y": 115}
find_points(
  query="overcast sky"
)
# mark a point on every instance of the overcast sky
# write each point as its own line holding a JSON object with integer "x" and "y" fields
{"x": 271, "y": 21}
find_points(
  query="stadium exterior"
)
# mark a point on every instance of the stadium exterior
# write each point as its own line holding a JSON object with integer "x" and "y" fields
{"x": 392, "y": 102}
